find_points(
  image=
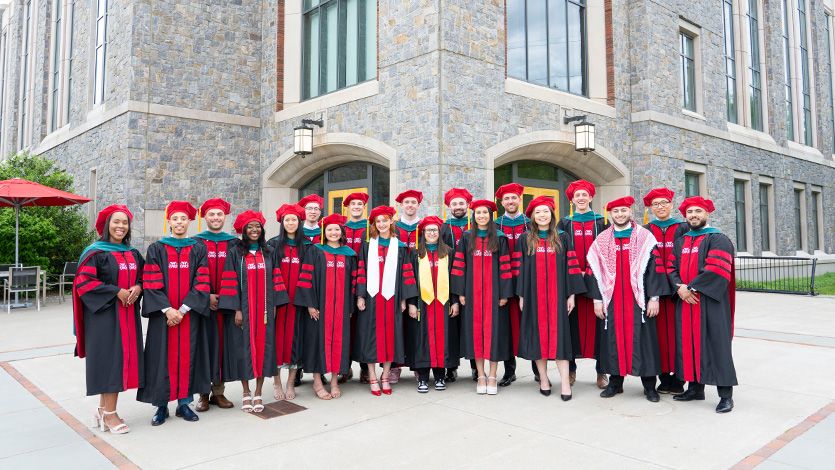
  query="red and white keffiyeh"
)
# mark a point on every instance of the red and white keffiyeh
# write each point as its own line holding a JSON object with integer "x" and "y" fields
{"x": 602, "y": 260}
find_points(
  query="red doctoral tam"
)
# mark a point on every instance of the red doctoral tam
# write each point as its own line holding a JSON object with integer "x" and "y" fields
{"x": 244, "y": 218}
{"x": 579, "y": 184}
{"x": 380, "y": 210}
{"x": 410, "y": 193}
{"x": 658, "y": 193}
{"x": 289, "y": 209}
{"x": 216, "y": 203}
{"x": 180, "y": 206}
{"x": 540, "y": 201}
{"x": 483, "y": 203}
{"x": 107, "y": 212}
{"x": 705, "y": 204}
{"x": 355, "y": 197}
{"x": 625, "y": 201}
{"x": 455, "y": 193}
{"x": 312, "y": 198}
{"x": 512, "y": 188}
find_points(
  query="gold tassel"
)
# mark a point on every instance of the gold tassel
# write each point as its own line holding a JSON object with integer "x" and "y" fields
{"x": 199, "y": 220}
{"x": 605, "y": 215}
{"x": 395, "y": 211}
{"x": 443, "y": 209}
{"x": 645, "y": 216}
{"x": 367, "y": 229}
{"x": 322, "y": 237}
{"x": 571, "y": 210}
{"x": 468, "y": 219}
{"x": 165, "y": 222}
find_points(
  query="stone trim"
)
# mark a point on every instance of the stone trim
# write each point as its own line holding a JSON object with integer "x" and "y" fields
{"x": 279, "y": 59}
{"x": 323, "y": 102}
{"x": 610, "y": 54}
{"x": 524, "y": 89}
{"x": 794, "y": 150}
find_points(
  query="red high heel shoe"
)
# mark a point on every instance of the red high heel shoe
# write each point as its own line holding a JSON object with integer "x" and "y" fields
{"x": 376, "y": 393}
{"x": 387, "y": 392}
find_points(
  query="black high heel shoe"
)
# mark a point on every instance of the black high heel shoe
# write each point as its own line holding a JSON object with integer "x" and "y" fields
{"x": 565, "y": 397}
{"x": 546, "y": 393}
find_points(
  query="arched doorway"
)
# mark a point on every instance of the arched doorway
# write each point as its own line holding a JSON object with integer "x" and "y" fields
{"x": 336, "y": 183}
{"x": 539, "y": 179}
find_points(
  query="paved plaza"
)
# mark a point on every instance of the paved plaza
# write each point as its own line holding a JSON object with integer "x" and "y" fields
{"x": 784, "y": 351}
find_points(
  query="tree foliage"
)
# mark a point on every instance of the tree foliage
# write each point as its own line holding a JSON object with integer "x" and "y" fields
{"x": 49, "y": 236}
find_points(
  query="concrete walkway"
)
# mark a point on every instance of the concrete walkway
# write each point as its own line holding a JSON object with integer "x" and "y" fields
{"x": 784, "y": 351}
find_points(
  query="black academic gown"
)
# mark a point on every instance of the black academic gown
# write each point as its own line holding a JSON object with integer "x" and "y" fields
{"x": 428, "y": 337}
{"x": 176, "y": 357}
{"x": 704, "y": 331}
{"x": 483, "y": 278}
{"x": 546, "y": 279}
{"x": 252, "y": 284}
{"x": 379, "y": 334}
{"x": 327, "y": 283}
{"x": 110, "y": 332}
{"x": 289, "y": 318}
{"x": 451, "y": 235}
{"x": 629, "y": 340}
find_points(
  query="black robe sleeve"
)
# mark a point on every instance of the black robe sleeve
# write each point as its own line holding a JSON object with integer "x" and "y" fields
{"x": 280, "y": 294}
{"x": 575, "y": 281}
{"x": 506, "y": 281}
{"x": 656, "y": 282}
{"x": 408, "y": 286}
{"x": 362, "y": 265}
{"x": 198, "y": 296}
{"x": 307, "y": 294}
{"x": 672, "y": 264}
{"x": 153, "y": 285}
{"x": 230, "y": 290}
{"x": 522, "y": 280}
{"x": 96, "y": 294}
{"x": 715, "y": 274}
{"x": 458, "y": 278}
{"x": 681, "y": 230}
{"x": 447, "y": 236}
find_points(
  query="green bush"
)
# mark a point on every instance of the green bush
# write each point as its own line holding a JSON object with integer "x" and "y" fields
{"x": 49, "y": 236}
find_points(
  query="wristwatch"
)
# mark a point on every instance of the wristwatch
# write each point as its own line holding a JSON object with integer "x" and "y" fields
{"x": 654, "y": 298}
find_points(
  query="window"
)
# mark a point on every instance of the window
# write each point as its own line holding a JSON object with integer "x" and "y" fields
{"x": 805, "y": 80}
{"x": 754, "y": 79}
{"x": 100, "y": 51}
{"x": 687, "y": 57}
{"x": 339, "y": 46}
{"x": 63, "y": 16}
{"x": 798, "y": 219}
{"x": 3, "y": 47}
{"x": 351, "y": 176}
{"x": 788, "y": 69}
{"x": 829, "y": 45}
{"x": 546, "y": 43}
{"x": 741, "y": 223}
{"x": 25, "y": 113}
{"x": 765, "y": 217}
{"x": 691, "y": 184}
{"x": 56, "y": 63}
{"x": 70, "y": 57}
{"x": 538, "y": 178}
{"x": 816, "y": 236}
{"x": 730, "y": 61}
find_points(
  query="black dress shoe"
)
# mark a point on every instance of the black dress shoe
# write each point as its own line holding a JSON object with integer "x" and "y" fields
{"x": 297, "y": 382}
{"x": 536, "y": 378}
{"x": 565, "y": 397}
{"x": 546, "y": 393}
{"x": 725, "y": 405}
{"x": 611, "y": 391}
{"x": 664, "y": 387}
{"x": 475, "y": 375}
{"x": 159, "y": 416}
{"x": 185, "y": 412}
{"x": 652, "y": 395}
{"x": 690, "y": 395}
{"x": 676, "y": 388}
{"x": 507, "y": 380}
{"x": 451, "y": 375}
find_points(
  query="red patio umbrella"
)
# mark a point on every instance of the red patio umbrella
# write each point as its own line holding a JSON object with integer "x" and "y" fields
{"x": 18, "y": 193}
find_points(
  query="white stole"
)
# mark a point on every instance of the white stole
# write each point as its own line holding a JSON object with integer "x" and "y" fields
{"x": 389, "y": 268}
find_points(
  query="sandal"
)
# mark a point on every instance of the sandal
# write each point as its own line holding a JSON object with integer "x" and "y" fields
{"x": 337, "y": 393}
{"x": 96, "y": 421}
{"x": 327, "y": 395}
{"x": 259, "y": 407}
{"x": 387, "y": 391}
{"x": 244, "y": 407}
{"x": 278, "y": 392}
{"x": 121, "y": 428}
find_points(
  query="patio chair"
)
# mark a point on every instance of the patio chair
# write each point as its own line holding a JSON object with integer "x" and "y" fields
{"x": 22, "y": 279}
{"x": 66, "y": 278}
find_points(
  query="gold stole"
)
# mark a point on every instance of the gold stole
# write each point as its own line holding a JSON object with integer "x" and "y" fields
{"x": 427, "y": 291}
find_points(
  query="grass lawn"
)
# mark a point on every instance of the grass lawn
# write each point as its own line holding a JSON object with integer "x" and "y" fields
{"x": 824, "y": 284}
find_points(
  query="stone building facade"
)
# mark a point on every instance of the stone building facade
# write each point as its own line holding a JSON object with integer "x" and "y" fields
{"x": 199, "y": 99}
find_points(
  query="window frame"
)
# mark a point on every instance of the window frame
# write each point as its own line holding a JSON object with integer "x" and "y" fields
{"x": 731, "y": 75}
{"x": 27, "y": 57}
{"x": 95, "y": 98}
{"x": 768, "y": 185}
{"x": 745, "y": 64}
{"x": 799, "y": 212}
{"x": 817, "y": 220}
{"x": 695, "y": 33}
{"x": 59, "y": 64}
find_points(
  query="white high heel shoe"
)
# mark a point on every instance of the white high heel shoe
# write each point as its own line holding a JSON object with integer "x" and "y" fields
{"x": 121, "y": 428}
{"x": 96, "y": 421}
{"x": 481, "y": 390}
{"x": 494, "y": 389}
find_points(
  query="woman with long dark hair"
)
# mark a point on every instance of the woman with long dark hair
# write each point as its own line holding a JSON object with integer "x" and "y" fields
{"x": 107, "y": 323}
{"x": 430, "y": 313}
{"x": 549, "y": 277}
{"x": 481, "y": 277}
{"x": 253, "y": 288}
{"x": 290, "y": 246}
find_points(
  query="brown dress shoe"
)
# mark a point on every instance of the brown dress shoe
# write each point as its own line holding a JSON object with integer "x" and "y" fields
{"x": 572, "y": 377}
{"x": 602, "y": 381}
{"x": 203, "y": 402}
{"x": 220, "y": 401}
{"x": 342, "y": 378}
{"x": 364, "y": 377}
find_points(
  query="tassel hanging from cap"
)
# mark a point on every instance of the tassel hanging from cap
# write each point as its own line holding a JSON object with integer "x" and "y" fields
{"x": 165, "y": 222}
{"x": 571, "y": 210}
{"x": 468, "y": 219}
{"x": 646, "y": 221}
{"x": 199, "y": 220}
{"x": 443, "y": 211}
{"x": 322, "y": 237}
{"x": 367, "y": 229}
{"x": 605, "y": 215}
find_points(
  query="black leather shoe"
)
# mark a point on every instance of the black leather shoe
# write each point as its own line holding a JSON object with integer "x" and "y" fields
{"x": 725, "y": 405}
{"x": 475, "y": 375}
{"x": 507, "y": 380}
{"x": 664, "y": 387}
{"x": 546, "y": 393}
{"x": 159, "y": 416}
{"x": 652, "y": 395}
{"x": 611, "y": 391}
{"x": 676, "y": 388}
{"x": 185, "y": 412}
{"x": 690, "y": 395}
{"x": 451, "y": 375}
{"x": 297, "y": 382}
{"x": 565, "y": 397}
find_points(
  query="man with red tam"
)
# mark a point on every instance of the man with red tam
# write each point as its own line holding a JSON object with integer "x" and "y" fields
{"x": 177, "y": 287}
{"x": 583, "y": 225}
{"x": 355, "y": 232}
{"x": 701, "y": 268}
{"x": 219, "y": 326}
{"x": 406, "y": 226}
{"x": 513, "y": 223}
{"x": 313, "y": 206}
{"x": 458, "y": 200}
{"x": 666, "y": 230}
{"x": 627, "y": 284}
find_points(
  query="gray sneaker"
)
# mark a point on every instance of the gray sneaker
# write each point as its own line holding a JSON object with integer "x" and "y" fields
{"x": 440, "y": 384}
{"x": 423, "y": 387}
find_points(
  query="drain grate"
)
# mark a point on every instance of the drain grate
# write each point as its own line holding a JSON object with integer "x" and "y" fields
{"x": 279, "y": 408}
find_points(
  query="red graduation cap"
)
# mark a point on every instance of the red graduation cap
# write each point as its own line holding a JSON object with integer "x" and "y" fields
{"x": 483, "y": 203}
{"x": 338, "y": 219}
{"x": 380, "y": 210}
{"x": 625, "y": 201}
{"x": 180, "y": 206}
{"x": 107, "y": 212}
{"x": 312, "y": 198}
{"x": 410, "y": 193}
{"x": 244, "y": 218}
{"x": 431, "y": 220}
{"x": 355, "y": 197}
{"x": 657, "y": 193}
{"x": 289, "y": 209}
{"x": 455, "y": 193}
{"x": 216, "y": 203}
{"x": 705, "y": 204}
{"x": 579, "y": 184}
{"x": 540, "y": 201}
{"x": 512, "y": 188}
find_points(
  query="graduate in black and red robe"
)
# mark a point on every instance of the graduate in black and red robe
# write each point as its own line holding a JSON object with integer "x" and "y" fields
{"x": 549, "y": 278}
{"x": 106, "y": 318}
{"x": 313, "y": 206}
{"x": 513, "y": 223}
{"x": 583, "y": 225}
{"x": 482, "y": 279}
{"x": 407, "y": 224}
{"x": 430, "y": 313}
{"x": 327, "y": 289}
{"x": 252, "y": 288}
{"x": 626, "y": 295}
{"x": 290, "y": 246}
{"x": 356, "y": 232}
{"x": 701, "y": 268}
{"x": 666, "y": 230}
{"x": 385, "y": 282}
{"x": 176, "y": 285}
{"x": 219, "y": 326}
